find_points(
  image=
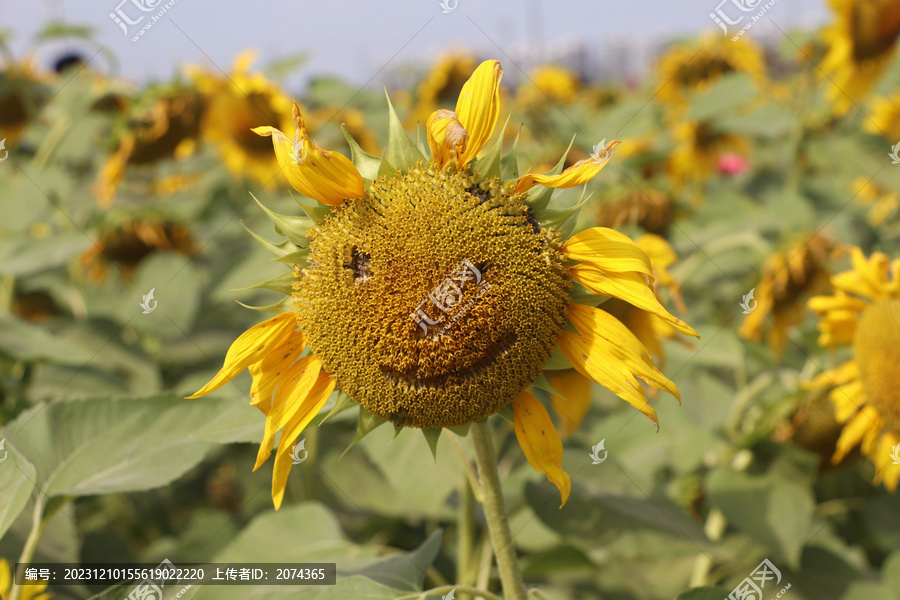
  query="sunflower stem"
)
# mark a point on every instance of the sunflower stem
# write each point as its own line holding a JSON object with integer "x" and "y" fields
{"x": 495, "y": 513}
{"x": 466, "y": 535}
{"x": 37, "y": 528}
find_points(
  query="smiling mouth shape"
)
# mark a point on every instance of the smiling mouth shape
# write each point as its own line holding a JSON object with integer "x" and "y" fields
{"x": 494, "y": 352}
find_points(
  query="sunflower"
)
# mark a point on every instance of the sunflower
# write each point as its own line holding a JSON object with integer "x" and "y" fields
{"x": 861, "y": 43}
{"x": 168, "y": 130}
{"x": 30, "y": 591}
{"x": 788, "y": 277}
{"x": 864, "y": 312}
{"x": 883, "y": 202}
{"x": 436, "y": 291}
{"x": 695, "y": 67}
{"x": 552, "y": 83}
{"x": 21, "y": 93}
{"x": 235, "y": 103}
{"x": 649, "y": 209}
{"x": 443, "y": 83}
{"x": 885, "y": 119}
{"x": 130, "y": 242}
{"x": 698, "y": 152}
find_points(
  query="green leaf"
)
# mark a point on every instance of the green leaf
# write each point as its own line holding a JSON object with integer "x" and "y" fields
{"x": 293, "y": 228}
{"x": 17, "y": 477}
{"x": 23, "y": 255}
{"x": 776, "y": 512}
{"x": 402, "y": 151}
{"x": 106, "y": 445}
{"x": 367, "y": 164}
{"x": 404, "y": 571}
{"x": 705, "y": 593}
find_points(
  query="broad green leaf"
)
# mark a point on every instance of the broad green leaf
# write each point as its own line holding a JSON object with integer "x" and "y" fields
{"x": 17, "y": 477}
{"x": 106, "y": 445}
{"x": 23, "y": 256}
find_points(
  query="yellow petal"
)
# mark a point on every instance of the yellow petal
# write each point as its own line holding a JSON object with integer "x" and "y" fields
{"x": 578, "y": 174}
{"x": 595, "y": 362}
{"x": 629, "y": 287}
{"x": 267, "y": 372}
{"x": 888, "y": 471}
{"x": 5, "y": 577}
{"x": 658, "y": 250}
{"x": 607, "y": 249}
{"x": 251, "y": 347}
{"x": 446, "y": 136}
{"x": 310, "y": 407}
{"x": 292, "y": 391}
{"x": 600, "y": 328}
{"x": 574, "y": 402}
{"x": 539, "y": 441}
{"x": 478, "y": 107}
{"x": 328, "y": 177}
{"x": 853, "y": 432}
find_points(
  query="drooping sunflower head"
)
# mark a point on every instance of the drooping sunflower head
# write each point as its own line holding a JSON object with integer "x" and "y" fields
{"x": 861, "y": 41}
{"x": 863, "y": 313}
{"x": 788, "y": 278}
{"x": 436, "y": 290}
{"x": 21, "y": 91}
{"x": 548, "y": 84}
{"x": 691, "y": 68}
{"x": 236, "y": 103}
{"x": 169, "y": 129}
{"x": 443, "y": 83}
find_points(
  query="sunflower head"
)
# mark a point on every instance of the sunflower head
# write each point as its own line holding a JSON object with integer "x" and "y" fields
{"x": 434, "y": 291}
{"x": 788, "y": 278}
{"x": 236, "y": 103}
{"x": 864, "y": 313}
{"x": 861, "y": 42}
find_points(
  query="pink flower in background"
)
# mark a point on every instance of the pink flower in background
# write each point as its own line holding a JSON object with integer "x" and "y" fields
{"x": 732, "y": 164}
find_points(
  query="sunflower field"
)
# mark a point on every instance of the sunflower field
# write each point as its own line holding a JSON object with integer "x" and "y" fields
{"x": 495, "y": 333}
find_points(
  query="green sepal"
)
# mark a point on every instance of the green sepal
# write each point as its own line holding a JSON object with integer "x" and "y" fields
{"x": 557, "y": 361}
{"x": 509, "y": 162}
{"x": 581, "y": 295}
{"x": 488, "y": 166}
{"x": 342, "y": 402}
{"x": 563, "y": 220}
{"x": 542, "y": 383}
{"x": 432, "y": 436}
{"x": 294, "y": 258}
{"x": 285, "y": 248}
{"x": 420, "y": 144}
{"x": 283, "y": 284}
{"x": 460, "y": 430}
{"x": 284, "y": 305}
{"x": 538, "y": 200}
{"x": 364, "y": 426}
{"x": 293, "y": 228}
{"x": 402, "y": 151}
{"x": 367, "y": 164}
{"x": 313, "y": 209}
{"x": 386, "y": 169}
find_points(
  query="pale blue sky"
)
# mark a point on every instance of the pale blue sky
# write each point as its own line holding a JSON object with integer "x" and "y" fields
{"x": 355, "y": 39}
